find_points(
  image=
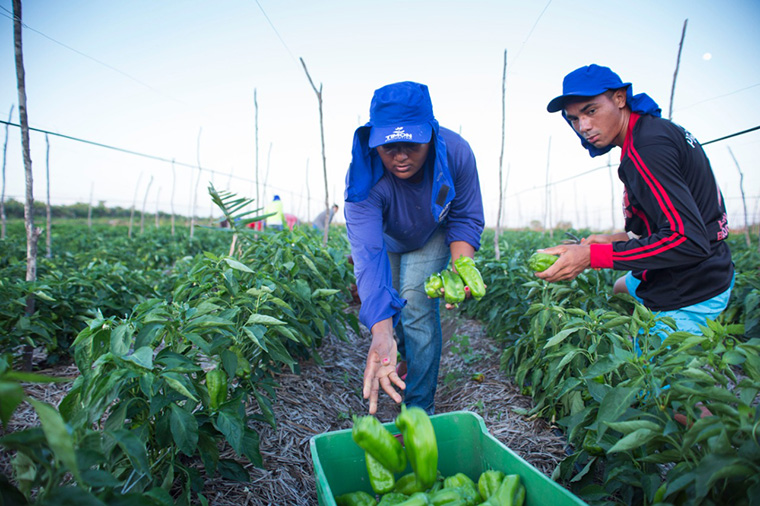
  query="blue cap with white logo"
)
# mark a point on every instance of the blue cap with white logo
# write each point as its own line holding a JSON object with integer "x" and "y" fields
{"x": 588, "y": 81}
{"x": 401, "y": 112}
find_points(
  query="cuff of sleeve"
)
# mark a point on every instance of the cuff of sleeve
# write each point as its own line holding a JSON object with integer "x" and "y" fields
{"x": 601, "y": 256}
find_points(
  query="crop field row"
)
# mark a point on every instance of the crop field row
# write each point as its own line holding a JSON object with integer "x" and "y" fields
{"x": 179, "y": 342}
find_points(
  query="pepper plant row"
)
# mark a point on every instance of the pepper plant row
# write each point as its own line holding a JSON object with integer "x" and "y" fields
{"x": 187, "y": 370}
{"x": 634, "y": 421}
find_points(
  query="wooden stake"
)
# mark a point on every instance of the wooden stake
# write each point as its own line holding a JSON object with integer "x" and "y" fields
{"x": 49, "y": 228}
{"x": 32, "y": 233}
{"x": 134, "y": 203}
{"x": 197, "y": 183}
{"x": 502, "y": 186}
{"x": 174, "y": 182}
{"x": 324, "y": 158}
{"x": 675, "y": 74}
{"x": 744, "y": 199}
{"x": 3, "y": 218}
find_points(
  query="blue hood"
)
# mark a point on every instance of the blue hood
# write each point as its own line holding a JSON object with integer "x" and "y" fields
{"x": 395, "y": 105}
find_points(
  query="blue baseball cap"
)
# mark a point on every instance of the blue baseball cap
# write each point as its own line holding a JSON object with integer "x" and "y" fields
{"x": 588, "y": 81}
{"x": 401, "y": 112}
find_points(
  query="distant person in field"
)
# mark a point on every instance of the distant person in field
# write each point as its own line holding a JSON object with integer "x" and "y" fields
{"x": 413, "y": 202}
{"x": 319, "y": 221}
{"x": 675, "y": 217}
{"x": 277, "y": 219}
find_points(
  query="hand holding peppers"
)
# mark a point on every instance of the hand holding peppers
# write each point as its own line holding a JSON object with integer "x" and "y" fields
{"x": 573, "y": 259}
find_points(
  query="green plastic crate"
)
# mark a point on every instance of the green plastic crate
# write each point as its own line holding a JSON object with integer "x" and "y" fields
{"x": 464, "y": 446}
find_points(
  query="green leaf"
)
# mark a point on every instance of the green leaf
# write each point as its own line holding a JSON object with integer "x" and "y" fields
{"x": 231, "y": 425}
{"x": 58, "y": 436}
{"x": 635, "y": 439}
{"x": 251, "y": 447}
{"x": 237, "y": 265}
{"x": 263, "y": 319}
{"x": 133, "y": 447}
{"x": 177, "y": 382}
{"x": 324, "y": 292}
{"x": 633, "y": 425}
{"x": 72, "y": 496}
{"x": 11, "y": 394}
{"x": 184, "y": 428}
{"x": 232, "y": 470}
{"x": 121, "y": 339}
{"x": 559, "y": 337}
{"x": 142, "y": 357}
{"x": 614, "y": 404}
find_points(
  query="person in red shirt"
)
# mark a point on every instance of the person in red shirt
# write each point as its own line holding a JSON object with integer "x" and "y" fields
{"x": 675, "y": 217}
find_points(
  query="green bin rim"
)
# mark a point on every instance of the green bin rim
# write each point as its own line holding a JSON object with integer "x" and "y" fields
{"x": 391, "y": 426}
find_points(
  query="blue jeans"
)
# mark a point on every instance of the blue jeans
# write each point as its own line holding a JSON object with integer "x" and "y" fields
{"x": 419, "y": 329}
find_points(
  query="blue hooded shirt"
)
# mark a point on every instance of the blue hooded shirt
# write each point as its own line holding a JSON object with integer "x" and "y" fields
{"x": 385, "y": 213}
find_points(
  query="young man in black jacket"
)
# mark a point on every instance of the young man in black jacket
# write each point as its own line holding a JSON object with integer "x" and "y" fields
{"x": 675, "y": 217}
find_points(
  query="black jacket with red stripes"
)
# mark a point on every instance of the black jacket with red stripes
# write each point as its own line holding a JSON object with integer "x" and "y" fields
{"x": 673, "y": 203}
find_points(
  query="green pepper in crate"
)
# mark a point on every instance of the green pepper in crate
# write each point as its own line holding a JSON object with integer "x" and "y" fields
{"x": 416, "y": 499}
{"x": 447, "y": 497}
{"x": 359, "y": 498}
{"x": 420, "y": 442}
{"x": 508, "y": 493}
{"x": 216, "y": 383}
{"x": 471, "y": 276}
{"x": 374, "y": 438}
{"x": 380, "y": 478}
{"x": 408, "y": 484}
{"x": 489, "y": 482}
{"x": 433, "y": 285}
{"x": 392, "y": 499}
{"x": 453, "y": 287}
{"x": 466, "y": 487}
{"x": 539, "y": 262}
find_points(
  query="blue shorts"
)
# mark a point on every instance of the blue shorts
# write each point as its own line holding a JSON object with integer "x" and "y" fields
{"x": 687, "y": 318}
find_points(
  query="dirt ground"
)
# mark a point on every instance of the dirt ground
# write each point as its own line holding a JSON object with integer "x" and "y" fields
{"x": 323, "y": 398}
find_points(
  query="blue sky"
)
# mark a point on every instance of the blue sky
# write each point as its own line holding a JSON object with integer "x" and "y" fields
{"x": 155, "y": 77}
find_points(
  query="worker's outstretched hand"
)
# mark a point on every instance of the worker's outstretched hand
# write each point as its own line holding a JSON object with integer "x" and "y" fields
{"x": 380, "y": 370}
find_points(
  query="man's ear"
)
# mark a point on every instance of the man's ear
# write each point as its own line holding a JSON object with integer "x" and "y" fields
{"x": 620, "y": 98}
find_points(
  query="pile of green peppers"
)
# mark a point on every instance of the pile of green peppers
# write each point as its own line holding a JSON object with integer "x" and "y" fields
{"x": 424, "y": 486}
{"x": 453, "y": 282}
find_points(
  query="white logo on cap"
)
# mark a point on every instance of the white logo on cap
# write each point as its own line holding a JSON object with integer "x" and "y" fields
{"x": 398, "y": 135}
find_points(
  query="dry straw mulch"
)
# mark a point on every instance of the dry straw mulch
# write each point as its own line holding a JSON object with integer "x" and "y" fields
{"x": 322, "y": 398}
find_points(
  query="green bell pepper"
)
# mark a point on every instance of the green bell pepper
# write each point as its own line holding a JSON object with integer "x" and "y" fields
{"x": 416, "y": 499}
{"x": 471, "y": 276}
{"x": 453, "y": 287}
{"x": 408, "y": 484}
{"x": 421, "y": 445}
{"x": 380, "y": 478}
{"x": 539, "y": 262}
{"x": 216, "y": 383}
{"x": 359, "y": 498}
{"x": 507, "y": 492}
{"x": 392, "y": 499}
{"x": 489, "y": 482}
{"x": 433, "y": 285}
{"x": 447, "y": 497}
{"x": 466, "y": 487}
{"x": 375, "y": 439}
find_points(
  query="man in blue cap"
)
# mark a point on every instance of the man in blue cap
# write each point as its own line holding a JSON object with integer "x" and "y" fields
{"x": 413, "y": 202}
{"x": 675, "y": 217}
